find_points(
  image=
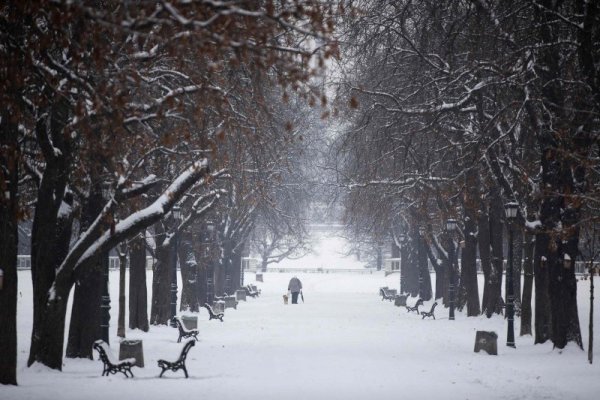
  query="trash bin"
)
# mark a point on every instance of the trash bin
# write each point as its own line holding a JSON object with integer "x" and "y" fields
{"x": 259, "y": 277}
{"x": 240, "y": 295}
{"x": 189, "y": 321}
{"x": 400, "y": 300}
{"x": 132, "y": 349}
{"x": 219, "y": 306}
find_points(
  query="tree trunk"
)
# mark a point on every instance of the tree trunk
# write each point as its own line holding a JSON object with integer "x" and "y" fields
{"x": 138, "y": 293}
{"x": 189, "y": 274}
{"x": 485, "y": 256}
{"x": 160, "y": 313}
{"x": 591, "y": 323}
{"x": 496, "y": 235}
{"x": 412, "y": 272}
{"x": 528, "y": 248}
{"x": 424, "y": 276}
{"x": 469, "y": 264}
{"x": 236, "y": 270}
{"x": 86, "y": 315}
{"x": 404, "y": 262}
{"x": 439, "y": 273}
{"x": 8, "y": 249}
{"x": 543, "y": 317}
{"x": 48, "y": 347}
{"x": 518, "y": 263}
{"x": 48, "y": 246}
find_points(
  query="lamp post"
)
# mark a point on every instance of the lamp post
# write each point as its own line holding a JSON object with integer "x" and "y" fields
{"x": 511, "y": 213}
{"x": 402, "y": 238}
{"x": 177, "y": 217}
{"x": 451, "y": 227}
{"x": 420, "y": 259}
{"x": 105, "y": 301}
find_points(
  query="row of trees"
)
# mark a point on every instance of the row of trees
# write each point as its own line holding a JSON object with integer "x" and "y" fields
{"x": 458, "y": 107}
{"x": 113, "y": 113}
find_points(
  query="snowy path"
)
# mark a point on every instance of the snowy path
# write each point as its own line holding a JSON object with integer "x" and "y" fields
{"x": 343, "y": 343}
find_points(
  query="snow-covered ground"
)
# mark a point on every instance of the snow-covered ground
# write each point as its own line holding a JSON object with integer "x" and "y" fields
{"x": 342, "y": 343}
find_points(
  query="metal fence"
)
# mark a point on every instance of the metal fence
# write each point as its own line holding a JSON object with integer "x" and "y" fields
{"x": 24, "y": 262}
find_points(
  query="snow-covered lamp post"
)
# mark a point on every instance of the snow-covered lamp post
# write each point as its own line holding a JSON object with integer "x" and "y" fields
{"x": 451, "y": 227}
{"x": 511, "y": 210}
{"x": 177, "y": 217}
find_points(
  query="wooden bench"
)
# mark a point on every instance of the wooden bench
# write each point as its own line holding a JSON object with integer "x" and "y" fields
{"x": 388, "y": 294}
{"x": 179, "y": 364}
{"x": 183, "y": 331}
{"x": 430, "y": 312}
{"x": 415, "y": 307}
{"x": 110, "y": 365}
{"x": 212, "y": 314}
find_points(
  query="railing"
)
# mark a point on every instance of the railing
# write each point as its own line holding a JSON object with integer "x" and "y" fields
{"x": 322, "y": 270}
{"x": 24, "y": 262}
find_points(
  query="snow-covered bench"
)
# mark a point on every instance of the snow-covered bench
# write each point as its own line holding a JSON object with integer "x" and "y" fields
{"x": 111, "y": 366}
{"x": 183, "y": 331}
{"x": 430, "y": 312}
{"x": 179, "y": 363}
{"x": 212, "y": 314}
{"x": 387, "y": 294}
{"x": 251, "y": 290}
{"x": 415, "y": 307}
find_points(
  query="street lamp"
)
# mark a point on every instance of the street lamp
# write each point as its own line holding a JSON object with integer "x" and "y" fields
{"x": 451, "y": 227}
{"x": 402, "y": 238}
{"x": 177, "y": 217}
{"x": 511, "y": 210}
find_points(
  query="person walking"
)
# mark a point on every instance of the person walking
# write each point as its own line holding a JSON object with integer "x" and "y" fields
{"x": 295, "y": 287}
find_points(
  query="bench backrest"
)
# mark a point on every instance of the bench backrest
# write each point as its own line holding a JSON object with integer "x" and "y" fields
{"x": 209, "y": 308}
{"x": 103, "y": 351}
{"x": 181, "y": 325}
{"x": 185, "y": 350}
{"x": 433, "y": 307}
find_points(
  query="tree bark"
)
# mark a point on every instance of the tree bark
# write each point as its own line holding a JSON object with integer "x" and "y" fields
{"x": 469, "y": 264}
{"x": 528, "y": 249}
{"x": 543, "y": 316}
{"x": 86, "y": 316}
{"x": 412, "y": 272}
{"x": 47, "y": 250}
{"x": 189, "y": 274}
{"x": 425, "y": 290}
{"x": 9, "y": 159}
{"x": 160, "y": 313}
{"x": 485, "y": 256}
{"x": 138, "y": 293}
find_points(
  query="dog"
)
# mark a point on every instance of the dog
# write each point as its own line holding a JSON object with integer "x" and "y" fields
{"x": 285, "y": 299}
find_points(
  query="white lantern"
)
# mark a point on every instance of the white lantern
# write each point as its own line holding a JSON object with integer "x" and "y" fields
{"x": 451, "y": 225}
{"x": 511, "y": 210}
